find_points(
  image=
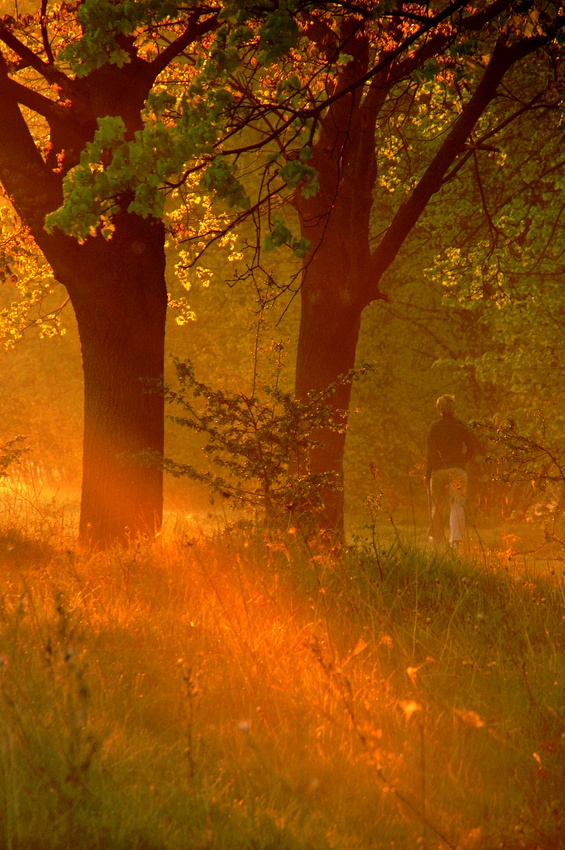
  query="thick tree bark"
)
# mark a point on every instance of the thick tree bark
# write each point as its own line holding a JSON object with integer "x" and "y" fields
{"x": 326, "y": 350}
{"x": 332, "y": 301}
{"x": 123, "y": 354}
{"x": 122, "y": 344}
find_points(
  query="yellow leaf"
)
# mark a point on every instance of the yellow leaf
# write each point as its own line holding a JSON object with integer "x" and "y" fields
{"x": 471, "y": 718}
{"x": 409, "y": 707}
{"x": 359, "y": 647}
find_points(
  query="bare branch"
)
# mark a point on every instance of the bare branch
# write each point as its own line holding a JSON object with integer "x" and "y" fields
{"x": 44, "y": 33}
{"x": 195, "y": 29}
{"x": 49, "y": 109}
{"x": 31, "y": 60}
{"x": 503, "y": 57}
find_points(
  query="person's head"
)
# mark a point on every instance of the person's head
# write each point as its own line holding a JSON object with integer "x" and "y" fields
{"x": 446, "y": 405}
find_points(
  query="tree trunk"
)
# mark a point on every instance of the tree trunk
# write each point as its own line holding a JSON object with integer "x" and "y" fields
{"x": 335, "y": 273}
{"x": 332, "y": 301}
{"x": 118, "y": 292}
{"x": 122, "y": 343}
{"x": 326, "y": 349}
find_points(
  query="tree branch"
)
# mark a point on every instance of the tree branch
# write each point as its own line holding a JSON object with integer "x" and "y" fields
{"x": 195, "y": 29}
{"x": 38, "y": 103}
{"x": 31, "y": 60}
{"x": 44, "y": 34}
{"x": 474, "y": 21}
{"x": 32, "y": 186}
{"x": 502, "y": 59}
{"x": 492, "y": 133}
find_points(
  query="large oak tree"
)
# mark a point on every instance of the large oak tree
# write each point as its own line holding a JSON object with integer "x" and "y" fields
{"x": 52, "y": 107}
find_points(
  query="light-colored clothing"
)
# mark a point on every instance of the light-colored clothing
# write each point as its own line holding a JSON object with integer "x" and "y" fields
{"x": 448, "y": 489}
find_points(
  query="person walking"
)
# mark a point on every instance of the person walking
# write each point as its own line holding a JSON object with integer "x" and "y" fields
{"x": 450, "y": 446}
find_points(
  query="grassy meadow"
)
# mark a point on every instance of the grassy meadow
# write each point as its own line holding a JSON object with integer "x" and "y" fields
{"x": 225, "y": 689}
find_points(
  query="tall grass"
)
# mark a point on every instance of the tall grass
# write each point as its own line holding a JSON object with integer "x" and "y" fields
{"x": 244, "y": 691}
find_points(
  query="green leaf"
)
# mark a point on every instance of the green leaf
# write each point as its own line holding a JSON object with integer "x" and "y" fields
{"x": 280, "y": 235}
{"x": 220, "y": 179}
{"x": 297, "y": 173}
{"x": 278, "y": 34}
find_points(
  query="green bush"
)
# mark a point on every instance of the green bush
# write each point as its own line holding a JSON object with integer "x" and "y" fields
{"x": 260, "y": 442}
{"x": 10, "y": 452}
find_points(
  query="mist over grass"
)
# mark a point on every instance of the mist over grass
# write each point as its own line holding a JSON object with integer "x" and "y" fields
{"x": 234, "y": 689}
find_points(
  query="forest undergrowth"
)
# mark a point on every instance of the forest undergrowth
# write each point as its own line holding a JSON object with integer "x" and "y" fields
{"x": 235, "y": 689}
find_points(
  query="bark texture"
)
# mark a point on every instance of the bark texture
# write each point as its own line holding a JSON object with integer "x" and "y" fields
{"x": 122, "y": 346}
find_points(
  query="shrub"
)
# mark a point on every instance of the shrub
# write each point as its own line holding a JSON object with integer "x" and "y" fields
{"x": 261, "y": 442}
{"x": 10, "y": 452}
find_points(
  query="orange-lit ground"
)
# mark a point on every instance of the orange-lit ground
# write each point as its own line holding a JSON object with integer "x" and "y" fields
{"x": 226, "y": 688}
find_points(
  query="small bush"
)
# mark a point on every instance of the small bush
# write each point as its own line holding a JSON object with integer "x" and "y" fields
{"x": 10, "y": 453}
{"x": 261, "y": 443}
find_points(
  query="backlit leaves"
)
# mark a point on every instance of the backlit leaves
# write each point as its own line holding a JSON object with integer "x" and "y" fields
{"x": 26, "y": 284}
{"x": 297, "y": 172}
{"x": 278, "y": 34}
{"x": 105, "y": 24}
{"x": 219, "y": 178}
{"x": 10, "y": 453}
{"x": 281, "y": 235}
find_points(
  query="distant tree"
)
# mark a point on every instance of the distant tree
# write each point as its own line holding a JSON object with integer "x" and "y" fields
{"x": 506, "y": 270}
{"x": 10, "y": 452}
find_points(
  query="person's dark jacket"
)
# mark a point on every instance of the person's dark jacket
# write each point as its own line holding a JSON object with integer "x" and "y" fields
{"x": 450, "y": 445}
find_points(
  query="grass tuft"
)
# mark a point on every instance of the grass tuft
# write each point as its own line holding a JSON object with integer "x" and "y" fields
{"x": 241, "y": 690}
